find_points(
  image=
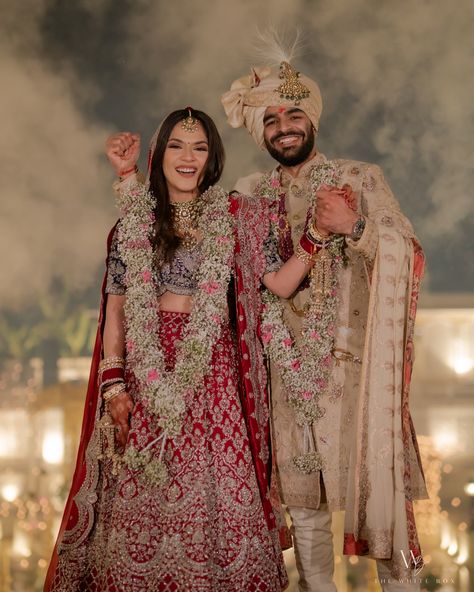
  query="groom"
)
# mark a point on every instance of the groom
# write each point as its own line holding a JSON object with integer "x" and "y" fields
{"x": 358, "y": 450}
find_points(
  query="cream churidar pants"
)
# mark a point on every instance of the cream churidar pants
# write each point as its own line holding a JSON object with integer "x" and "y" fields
{"x": 314, "y": 555}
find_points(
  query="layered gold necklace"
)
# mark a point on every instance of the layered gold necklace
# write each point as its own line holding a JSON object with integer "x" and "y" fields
{"x": 185, "y": 217}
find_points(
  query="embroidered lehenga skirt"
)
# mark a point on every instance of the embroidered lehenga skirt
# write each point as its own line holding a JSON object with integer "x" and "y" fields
{"x": 204, "y": 530}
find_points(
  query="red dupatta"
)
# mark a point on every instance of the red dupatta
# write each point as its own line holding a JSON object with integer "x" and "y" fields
{"x": 251, "y": 229}
{"x": 71, "y": 511}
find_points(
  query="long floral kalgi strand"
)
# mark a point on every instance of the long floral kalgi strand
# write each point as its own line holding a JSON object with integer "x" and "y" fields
{"x": 305, "y": 371}
{"x": 164, "y": 392}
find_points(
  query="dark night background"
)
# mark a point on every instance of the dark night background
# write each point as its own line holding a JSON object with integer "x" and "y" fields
{"x": 396, "y": 80}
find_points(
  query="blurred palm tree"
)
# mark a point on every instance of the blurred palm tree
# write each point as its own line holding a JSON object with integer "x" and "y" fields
{"x": 60, "y": 323}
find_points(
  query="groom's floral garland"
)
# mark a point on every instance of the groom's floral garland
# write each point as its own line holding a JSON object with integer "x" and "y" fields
{"x": 166, "y": 393}
{"x": 305, "y": 370}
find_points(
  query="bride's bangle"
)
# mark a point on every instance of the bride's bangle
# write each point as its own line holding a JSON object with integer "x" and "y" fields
{"x": 123, "y": 174}
{"x": 114, "y": 391}
{"x": 316, "y": 236}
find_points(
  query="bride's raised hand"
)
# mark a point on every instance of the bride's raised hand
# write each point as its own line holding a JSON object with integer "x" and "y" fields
{"x": 123, "y": 151}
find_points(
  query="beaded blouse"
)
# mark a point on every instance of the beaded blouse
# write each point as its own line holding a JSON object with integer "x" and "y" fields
{"x": 177, "y": 275}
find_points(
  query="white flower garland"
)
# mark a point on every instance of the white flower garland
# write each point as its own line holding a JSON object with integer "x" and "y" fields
{"x": 165, "y": 393}
{"x": 305, "y": 371}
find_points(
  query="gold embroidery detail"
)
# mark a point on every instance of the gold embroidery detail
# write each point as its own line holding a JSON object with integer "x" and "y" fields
{"x": 341, "y": 355}
{"x": 291, "y": 89}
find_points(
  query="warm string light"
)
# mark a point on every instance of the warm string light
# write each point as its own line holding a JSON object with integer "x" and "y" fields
{"x": 460, "y": 359}
{"x": 428, "y": 512}
{"x": 28, "y": 519}
{"x": 469, "y": 488}
{"x": 30, "y": 515}
{"x": 456, "y": 502}
{"x": 430, "y": 518}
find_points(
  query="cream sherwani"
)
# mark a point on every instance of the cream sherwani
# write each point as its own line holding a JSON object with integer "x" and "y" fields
{"x": 370, "y": 463}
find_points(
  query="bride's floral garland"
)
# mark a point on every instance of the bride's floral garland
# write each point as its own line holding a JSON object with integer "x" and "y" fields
{"x": 305, "y": 370}
{"x": 165, "y": 393}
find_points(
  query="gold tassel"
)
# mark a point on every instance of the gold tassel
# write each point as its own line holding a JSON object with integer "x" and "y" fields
{"x": 322, "y": 280}
{"x": 107, "y": 445}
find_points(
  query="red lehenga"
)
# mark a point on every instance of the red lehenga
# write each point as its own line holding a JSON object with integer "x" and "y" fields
{"x": 212, "y": 527}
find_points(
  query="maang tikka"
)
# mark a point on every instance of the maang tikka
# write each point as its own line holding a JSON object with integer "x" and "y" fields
{"x": 189, "y": 123}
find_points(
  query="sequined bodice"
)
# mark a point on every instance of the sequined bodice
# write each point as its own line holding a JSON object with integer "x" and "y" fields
{"x": 179, "y": 275}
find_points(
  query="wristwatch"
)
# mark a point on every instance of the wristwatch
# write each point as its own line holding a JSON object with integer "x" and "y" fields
{"x": 357, "y": 229}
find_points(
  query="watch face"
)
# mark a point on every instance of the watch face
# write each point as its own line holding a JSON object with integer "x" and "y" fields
{"x": 358, "y": 228}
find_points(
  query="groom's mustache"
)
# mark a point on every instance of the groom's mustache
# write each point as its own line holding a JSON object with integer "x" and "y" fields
{"x": 279, "y": 135}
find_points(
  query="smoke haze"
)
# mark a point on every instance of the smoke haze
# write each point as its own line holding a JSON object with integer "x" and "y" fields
{"x": 54, "y": 211}
{"x": 396, "y": 80}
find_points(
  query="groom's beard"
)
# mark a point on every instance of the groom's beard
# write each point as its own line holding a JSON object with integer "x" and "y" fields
{"x": 291, "y": 155}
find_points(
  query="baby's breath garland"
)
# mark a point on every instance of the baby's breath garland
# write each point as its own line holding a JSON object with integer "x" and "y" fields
{"x": 165, "y": 393}
{"x": 305, "y": 370}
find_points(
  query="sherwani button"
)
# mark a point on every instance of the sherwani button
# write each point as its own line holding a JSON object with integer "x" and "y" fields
{"x": 296, "y": 190}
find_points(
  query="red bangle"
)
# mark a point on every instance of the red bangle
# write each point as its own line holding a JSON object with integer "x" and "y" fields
{"x": 128, "y": 171}
{"x": 116, "y": 372}
{"x": 307, "y": 245}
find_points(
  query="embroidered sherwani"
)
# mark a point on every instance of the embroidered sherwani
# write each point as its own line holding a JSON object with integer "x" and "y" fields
{"x": 371, "y": 464}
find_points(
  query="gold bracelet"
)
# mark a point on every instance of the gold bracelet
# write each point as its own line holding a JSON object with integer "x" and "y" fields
{"x": 114, "y": 391}
{"x": 304, "y": 256}
{"x": 316, "y": 236}
{"x": 110, "y": 382}
{"x": 111, "y": 362}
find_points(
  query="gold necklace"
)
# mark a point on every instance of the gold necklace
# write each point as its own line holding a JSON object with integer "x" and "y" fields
{"x": 185, "y": 217}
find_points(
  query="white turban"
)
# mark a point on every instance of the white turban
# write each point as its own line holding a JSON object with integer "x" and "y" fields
{"x": 246, "y": 101}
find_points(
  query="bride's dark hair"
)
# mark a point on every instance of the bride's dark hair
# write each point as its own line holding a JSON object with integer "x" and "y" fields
{"x": 165, "y": 240}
